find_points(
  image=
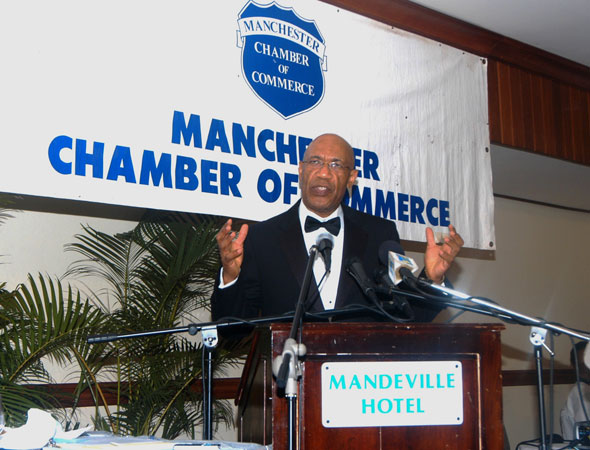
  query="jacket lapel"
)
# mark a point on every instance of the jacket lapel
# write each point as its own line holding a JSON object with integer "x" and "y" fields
{"x": 293, "y": 246}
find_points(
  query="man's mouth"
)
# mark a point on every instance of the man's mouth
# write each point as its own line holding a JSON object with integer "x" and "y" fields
{"x": 321, "y": 190}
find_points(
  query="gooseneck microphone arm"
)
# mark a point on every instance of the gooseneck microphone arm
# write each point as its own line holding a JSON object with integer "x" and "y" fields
{"x": 537, "y": 335}
{"x": 503, "y": 312}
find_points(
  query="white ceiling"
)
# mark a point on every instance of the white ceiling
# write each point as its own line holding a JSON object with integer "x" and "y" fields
{"x": 557, "y": 26}
{"x": 561, "y": 27}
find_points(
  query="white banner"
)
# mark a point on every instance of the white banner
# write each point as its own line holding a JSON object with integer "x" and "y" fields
{"x": 207, "y": 107}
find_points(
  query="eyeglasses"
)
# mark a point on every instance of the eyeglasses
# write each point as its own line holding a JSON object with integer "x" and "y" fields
{"x": 335, "y": 166}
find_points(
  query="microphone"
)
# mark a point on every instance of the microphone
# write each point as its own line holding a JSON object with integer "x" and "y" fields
{"x": 384, "y": 283}
{"x": 587, "y": 356}
{"x": 325, "y": 244}
{"x": 391, "y": 255}
{"x": 381, "y": 274}
{"x": 356, "y": 270}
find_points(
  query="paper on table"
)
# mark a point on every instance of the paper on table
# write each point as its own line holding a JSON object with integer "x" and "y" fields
{"x": 130, "y": 443}
{"x": 36, "y": 433}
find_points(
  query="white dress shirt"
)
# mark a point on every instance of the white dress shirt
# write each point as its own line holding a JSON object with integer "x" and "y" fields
{"x": 329, "y": 285}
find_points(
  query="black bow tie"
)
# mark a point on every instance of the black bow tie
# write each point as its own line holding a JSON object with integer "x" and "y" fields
{"x": 332, "y": 225}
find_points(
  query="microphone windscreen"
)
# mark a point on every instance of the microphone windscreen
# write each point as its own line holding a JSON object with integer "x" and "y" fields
{"x": 325, "y": 240}
{"x": 389, "y": 246}
{"x": 587, "y": 356}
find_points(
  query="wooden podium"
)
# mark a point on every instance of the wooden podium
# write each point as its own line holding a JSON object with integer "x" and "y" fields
{"x": 263, "y": 415}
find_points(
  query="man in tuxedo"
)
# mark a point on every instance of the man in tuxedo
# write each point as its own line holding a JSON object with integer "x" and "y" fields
{"x": 263, "y": 265}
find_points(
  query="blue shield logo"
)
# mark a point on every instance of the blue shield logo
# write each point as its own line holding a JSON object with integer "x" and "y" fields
{"x": 283, "y": 57}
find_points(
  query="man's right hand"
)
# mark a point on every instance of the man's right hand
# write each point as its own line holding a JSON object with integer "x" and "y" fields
{"x": 231, "y": 250}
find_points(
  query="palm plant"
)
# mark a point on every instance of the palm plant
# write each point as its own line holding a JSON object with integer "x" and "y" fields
{"x": 158, "y": 274}
{"x": 40, "y": 320}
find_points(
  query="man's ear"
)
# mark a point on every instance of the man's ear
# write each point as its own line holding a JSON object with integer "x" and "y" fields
{"x": 352, "y": 178}
{"x": 351, "y": 181}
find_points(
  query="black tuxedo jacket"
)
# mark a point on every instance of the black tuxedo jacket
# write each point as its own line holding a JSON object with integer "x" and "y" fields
{"x": 274, "y": 264}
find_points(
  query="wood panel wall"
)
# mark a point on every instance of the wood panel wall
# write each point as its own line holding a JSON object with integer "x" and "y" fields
{"x": 537, "y": 113}
{"x": 538, "y": 101}
{"x": 228, "y": 388}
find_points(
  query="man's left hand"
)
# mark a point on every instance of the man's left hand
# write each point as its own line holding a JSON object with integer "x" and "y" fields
{"x": 439, "y": 257}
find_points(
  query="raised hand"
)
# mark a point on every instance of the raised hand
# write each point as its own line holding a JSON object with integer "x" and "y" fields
{"x": 231, "y": 250}
{"x": 439, "y": 258}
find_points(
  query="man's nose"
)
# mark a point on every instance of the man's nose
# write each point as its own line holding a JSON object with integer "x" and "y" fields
{"x": 325, "y": 170}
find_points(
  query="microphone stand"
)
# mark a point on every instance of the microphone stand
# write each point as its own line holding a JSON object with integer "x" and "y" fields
{"x": 537, "y": 336}
{"x": 513, "y": 315}
{"x": 209, "y": 339}
{"x": 292, "y": 350}
{"x": 286, "y": 367}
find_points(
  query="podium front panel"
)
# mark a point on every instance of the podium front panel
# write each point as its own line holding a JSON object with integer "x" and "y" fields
{"x": 475, "y": 346}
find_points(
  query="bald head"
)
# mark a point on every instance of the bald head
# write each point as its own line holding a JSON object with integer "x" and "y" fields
{"x": 334, "y": 141}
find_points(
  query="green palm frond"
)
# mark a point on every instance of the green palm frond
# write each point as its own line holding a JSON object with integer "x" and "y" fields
{"x": 162, "y": 273}
{"x": 162, "y": 374}
{"x": 162, "y": 397}
{"x": 46, "y": 321}
{"x": 183, "y": 261}
{"x": 115, "y": 259}
{"x": 41, "y": 319}
{"x": 17, "y": 399}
